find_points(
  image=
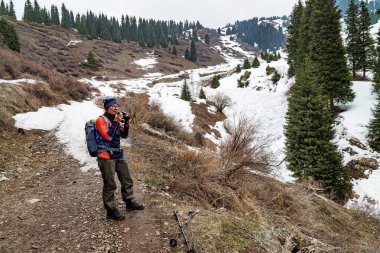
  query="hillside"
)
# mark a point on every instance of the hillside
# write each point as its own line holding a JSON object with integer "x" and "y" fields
{"x": 65, "y": 50}
{"x": 51, "y": 189}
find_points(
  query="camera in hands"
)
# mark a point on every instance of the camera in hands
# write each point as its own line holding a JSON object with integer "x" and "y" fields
{"x": 126, "y": 117}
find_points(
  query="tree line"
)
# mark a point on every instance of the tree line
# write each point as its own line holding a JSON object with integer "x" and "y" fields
{"x": 253, "y": 32}
{"x": 7, "y": 9}
{"x": 147, "y": 32}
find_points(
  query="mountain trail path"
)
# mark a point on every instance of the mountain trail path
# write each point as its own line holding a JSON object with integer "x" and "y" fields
{"x": 49, "y": 205}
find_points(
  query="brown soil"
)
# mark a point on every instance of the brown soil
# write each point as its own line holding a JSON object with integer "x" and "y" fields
{"x": 48, "y": 45}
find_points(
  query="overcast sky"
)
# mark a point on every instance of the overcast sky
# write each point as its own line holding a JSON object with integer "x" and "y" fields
{"x": 211, "y": 13}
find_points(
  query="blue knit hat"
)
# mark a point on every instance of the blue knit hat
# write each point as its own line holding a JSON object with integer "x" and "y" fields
{"x": 108, "y": 102}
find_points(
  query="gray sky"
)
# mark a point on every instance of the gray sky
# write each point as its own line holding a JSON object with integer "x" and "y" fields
{"x": 211, "y": 13}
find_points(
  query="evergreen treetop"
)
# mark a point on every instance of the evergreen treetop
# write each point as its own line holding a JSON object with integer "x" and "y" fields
{"x": 293, "y": 40}
{"x": 328, "y": 53}
{"x": 185, "y": 92}
{"x": 353, "y": 37}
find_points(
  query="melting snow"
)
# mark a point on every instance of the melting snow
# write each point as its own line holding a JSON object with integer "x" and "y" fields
{"x": 147, "y": 63}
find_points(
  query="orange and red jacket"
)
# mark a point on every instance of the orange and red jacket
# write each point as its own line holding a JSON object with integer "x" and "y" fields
{"x": 109, "y": 137}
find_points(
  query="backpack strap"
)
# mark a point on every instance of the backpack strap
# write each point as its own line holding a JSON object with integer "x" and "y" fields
{"x": 102, "y": 148}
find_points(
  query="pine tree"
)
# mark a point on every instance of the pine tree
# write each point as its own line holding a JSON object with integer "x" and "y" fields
{"x": 202, "y": 94}
{"x": 238, "y": 69}
{"x": 185, "y": 92}
{"x": 12, "y": 12}
{"x": 3, "y": 10}
{"x": 376, "y": 78}
{"x": 276, "y": 77}
{"x": 255, "y": 63}
{"x": 65, "y": 20}
{"x": 163, "y": 41}
{"x": 293, "y": 40}
{"x": 187, "y": 54}
{"x": 195, "y": 35}
{"x": 374, "y": 127}
{"x": 37, "y": 13}
{"x": 352, "y": 39}
{"x": 207, "y": 39}
{"x": 246, "y": 64}
{"x": 45, "y": 17}
{"x": 365, "y": 47}
{"x": 304, "y": 36}
{"x": 193, "y": 52}
{"x": 328, "y": 53}
{"x": 309, "y": 132}
{"x": 215, "y": 82}
{"x": 174, "y": 51}
{"x": 54, "y": 15}
{"x": 28, "y": 12}
{"x": 10, "y": 35}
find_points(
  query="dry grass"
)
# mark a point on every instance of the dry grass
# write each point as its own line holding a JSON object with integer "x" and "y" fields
{"x": 14, "y": 66}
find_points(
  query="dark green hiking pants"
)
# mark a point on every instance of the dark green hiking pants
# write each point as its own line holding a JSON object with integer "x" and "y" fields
{"x": 108, "y": 169}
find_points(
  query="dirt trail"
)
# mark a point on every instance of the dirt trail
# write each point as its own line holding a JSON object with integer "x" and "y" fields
{"x": 49, "y": 205}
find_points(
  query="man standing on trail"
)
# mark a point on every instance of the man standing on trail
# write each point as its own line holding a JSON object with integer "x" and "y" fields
{"x": 110, "y": 127}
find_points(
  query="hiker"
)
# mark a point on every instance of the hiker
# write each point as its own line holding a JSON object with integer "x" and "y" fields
{"x": 110, "y": 127}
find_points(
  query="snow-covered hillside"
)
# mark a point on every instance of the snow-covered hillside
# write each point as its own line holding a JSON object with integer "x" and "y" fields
{"x": 262, "y": 101}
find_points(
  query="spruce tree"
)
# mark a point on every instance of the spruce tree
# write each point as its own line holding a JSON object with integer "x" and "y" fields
{"x": 238, "y": 69}
{"x": 309, "y": 132}
{"x": 374, "y": 127}
{"x": 352, "y": 39}
{"x": 12, "y": 12}
{"x": 276, "y": 77}
{"x": 187, "y": 54}
{"x": 328, "y": 53}
{"x": 193, "y": 52}
{"x": 255, "y": 63}
{"x": 10, "y": 35}
{"x": 37, "y": 13}
{"x": 246, "y": 64}
{"x": 194, "y": 35}
{"x": 3, "y": 10}
{"x": 54, "y": 15}
{"x": 215, "y": 82}
{"x": 185, "y": 92}
{"x": 304, "y": 35}
{"x": 365, "y": 47}
{"x": 207, "y": 39}
{"x": 28, "y": 12}
{"x": 65, "y": 14}
{"x": 376, "y": 78}
{"x": 202, "y": 94}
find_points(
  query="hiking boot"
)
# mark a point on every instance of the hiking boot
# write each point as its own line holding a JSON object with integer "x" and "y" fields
{"x": 132, "y": 205}
{"x": 114, "y": 214}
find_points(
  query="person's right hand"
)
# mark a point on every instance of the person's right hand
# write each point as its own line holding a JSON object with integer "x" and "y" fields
{"x": 118, "y": 117}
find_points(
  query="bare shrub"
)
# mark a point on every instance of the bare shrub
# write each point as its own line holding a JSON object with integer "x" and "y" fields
{"x": 245, "y": 147}
{"x": 221, "y": 101}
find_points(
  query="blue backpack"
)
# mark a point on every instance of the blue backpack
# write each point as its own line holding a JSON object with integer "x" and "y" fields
{"x": 90, "y": 130}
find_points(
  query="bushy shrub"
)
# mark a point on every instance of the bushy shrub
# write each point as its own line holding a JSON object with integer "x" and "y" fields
{"x": 215, "y": 82}
{"x": 10, "y": 35}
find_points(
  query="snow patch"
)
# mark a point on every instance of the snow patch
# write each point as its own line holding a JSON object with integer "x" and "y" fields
{"x": 18, "y": 81}
{"x": 73, "y": 42}
{"x": 147, "y": 63}
{"x": 32, "y": 201}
